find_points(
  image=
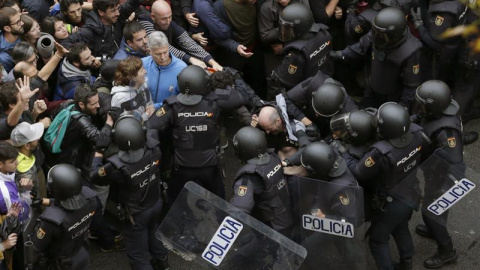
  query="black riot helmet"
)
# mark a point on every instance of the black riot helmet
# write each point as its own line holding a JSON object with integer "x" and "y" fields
{"x": 64, "y": 183}
{"x": 389, "y": 28}
{"x": 328, "y": 100}
{"x": 192, "y": 83}
{"x": 392, "y": 123}
{"x": 129, "y": 136}
{"x": 353, "y": 127}
{"x": 295, "y": 21}
{"x": 249, "y": 143}
{"x": 433, "y": 98}
{"x": 322, "y": 162}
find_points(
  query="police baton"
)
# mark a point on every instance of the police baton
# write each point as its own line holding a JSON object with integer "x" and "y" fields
{"x": 29, "y": 255}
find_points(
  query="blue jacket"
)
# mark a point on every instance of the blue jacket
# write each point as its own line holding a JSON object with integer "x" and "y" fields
{"x": 126, "y": 51}
{"x": 209, "y": 21}
{"x": 5, "y": 49}
{"x": 162, "y": 80}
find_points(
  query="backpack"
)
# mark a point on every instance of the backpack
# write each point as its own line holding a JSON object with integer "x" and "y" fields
{"x": 53, "y": 137}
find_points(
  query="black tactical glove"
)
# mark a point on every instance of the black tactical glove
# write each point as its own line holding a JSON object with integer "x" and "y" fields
{"x": 36, "y": 199}
{"x": 416, "y": 17}
{"x": 341, "y": 147}
{"x": 337, "y": 55}
{"x": 312, "y": 131}
{"x": 352, "y": 7}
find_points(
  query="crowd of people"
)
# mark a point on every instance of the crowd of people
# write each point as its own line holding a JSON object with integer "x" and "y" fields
{"x": 126, "y": 100}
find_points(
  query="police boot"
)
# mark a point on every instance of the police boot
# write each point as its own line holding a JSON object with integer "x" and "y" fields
{"x": 159, "y": 264}
{"x": 441, "y": 258}
{"x": 404, "y": 264}
{"x": 470, "y": 137}
{"x": 423, "y": 230}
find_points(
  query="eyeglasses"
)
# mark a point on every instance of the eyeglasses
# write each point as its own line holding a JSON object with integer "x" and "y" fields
{"x": 18, "y": 23}
{"x": 34, "y": 61}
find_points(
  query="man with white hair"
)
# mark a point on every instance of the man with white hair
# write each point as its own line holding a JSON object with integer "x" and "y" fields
{"x": 162, "y": 68}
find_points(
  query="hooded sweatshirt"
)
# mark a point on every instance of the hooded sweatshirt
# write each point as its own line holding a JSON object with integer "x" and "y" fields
{"x": 9, "y": 195}
{"x": 69, "y": 77}
{"x": 129, "y": 99}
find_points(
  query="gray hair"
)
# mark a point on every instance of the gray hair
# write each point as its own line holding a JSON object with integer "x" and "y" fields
{"x": 157, "y": 39}
{"x": 22, "y": 52}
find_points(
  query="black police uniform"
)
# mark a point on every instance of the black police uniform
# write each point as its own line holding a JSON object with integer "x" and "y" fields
{"x": 439, "y": 53}
{"x": 196, "y": 135}
{"x": 342, "y": 200}
{"x": 395, "y": 73}
{"x": 358, "y": 25}
{"x": 387, "y": 166}
{"x": 339, "y": 196}
{"x": 60, "y": 234}
{"x": 302, "y": 98}
{"x": 262, "y": 190}
{"x": 139, "y": 191}
{"x": 303, "y": 58}
{"x": 446, "y": 136}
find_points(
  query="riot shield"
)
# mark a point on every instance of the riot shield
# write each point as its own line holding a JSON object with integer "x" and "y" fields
{"x": 445, "y": 193}
{"x": 203, "y": 228}
{"x": 330, "y": 223}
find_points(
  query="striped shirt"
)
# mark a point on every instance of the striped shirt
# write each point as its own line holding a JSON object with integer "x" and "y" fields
{"x": 178, "y": 37}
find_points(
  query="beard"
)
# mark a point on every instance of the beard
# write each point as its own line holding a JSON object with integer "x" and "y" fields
{"x": 17, "y": 32}
{"x": 84, "y": 67}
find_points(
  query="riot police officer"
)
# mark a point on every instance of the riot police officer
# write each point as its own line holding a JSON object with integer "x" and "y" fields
{"x": 340, "y": 200}
{"x": 321, "y": 97}
{"x": 306, "y": 51}
{"x": 355, "y": 130}
{"x": 439, "y": 53}
{"x": 260, "y": 186}
{"x": 329, "y": 100}
{"x": 135, "y": 171}
{"x": 193, "y": 115}
{"x": 323, "y": 162}
{"x": 59, "y": 235}
{"x": 395, "y": 67}
{"x": 387, "y": 164}
{"x": 441, "y": 123}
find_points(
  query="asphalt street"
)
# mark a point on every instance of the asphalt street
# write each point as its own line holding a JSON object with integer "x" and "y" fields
{"x": 464, "y": 222}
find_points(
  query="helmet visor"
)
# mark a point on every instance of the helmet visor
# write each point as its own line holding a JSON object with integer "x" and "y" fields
{"x": 340, "y": 126}
{"x": 287, "y": 31}
{"x": 380, "y": 38}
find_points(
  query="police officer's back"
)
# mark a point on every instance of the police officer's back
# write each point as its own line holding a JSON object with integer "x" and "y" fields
{"x": 260, "y": 187}
{"x": 306, "y": 52}
{"x": 387, "y": 164}
{"x": 193, "y": 116}
{"x": 135, "y": 171}
{"x": 60, "y": 232}
{"x": 441, "y": 123}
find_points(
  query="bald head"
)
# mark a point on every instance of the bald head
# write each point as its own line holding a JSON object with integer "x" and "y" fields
{"x": 161, "y": 15}
{"x": 270, "y": 121}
